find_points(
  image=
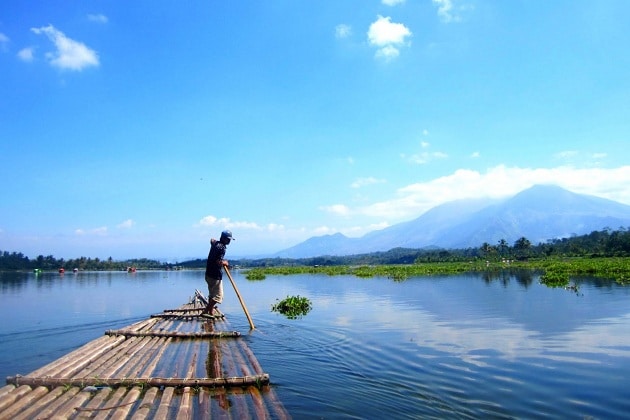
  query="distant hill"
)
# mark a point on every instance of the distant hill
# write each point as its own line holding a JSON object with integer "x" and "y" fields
{"x": 539, "y": 213}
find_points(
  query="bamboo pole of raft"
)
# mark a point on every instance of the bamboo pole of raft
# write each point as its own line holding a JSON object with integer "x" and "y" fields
{"x": 121, "y": 364}
{"x": 249, "y": 318}
{"x": 149, "y": 363}
{"x": 24, "y": 402}
{"x": 191, "y": 335}
{"x": 234, "y": 381}
{"x": 142, "y": 357}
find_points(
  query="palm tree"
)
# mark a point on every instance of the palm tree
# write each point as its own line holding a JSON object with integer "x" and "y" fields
{"x": 503, "y": 247}
{"x": 487, "y": 250}
{"x": 522, "y": 247}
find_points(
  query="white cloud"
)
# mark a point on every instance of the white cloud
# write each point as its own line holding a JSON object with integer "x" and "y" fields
{"x": 338, "y": 209}
{"x": 26, "y": 54}
{"x": 475, "y": 155}
{"x": 242, "y": 225}
{"x": 273, "y": 227}
{"x": 100, "y": 231}
{"x": 425, "y": 156}
{"x": 343, "y": 31}
{"x": 363, "y": 182}
{"x": 388, "y": 52}
{"x": 585, "y": 158}
{"x": 127, "y": 224}
{"x": 383, "y": 32}
{"x": 412, "y": 200}
{"x": 445, "y": 10}
{"x": 392, "y": 2}
{"x": 566, "y": 154}
{"x": 498, "y": 182}
{"x": 212, "y": 221}
{"x": 451, "y": 10}
{"x": 357, "y": 231}
{"x": 69, "y": 54}
{"x": 323, "y": 230}
{"x": 226, "y": 223}
{"x": 208, "y": 221}
{"x": 98, "y": 18}
{"x": 387, "y": 37}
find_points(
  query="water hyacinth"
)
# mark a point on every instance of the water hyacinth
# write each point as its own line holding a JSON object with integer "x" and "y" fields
{"x": 292, "y": 306}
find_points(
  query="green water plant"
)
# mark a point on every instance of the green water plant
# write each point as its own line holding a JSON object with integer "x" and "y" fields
{"x": 292, "y": 306}
{"x": 555, "y": 272}
{"x": 255, "y": 275}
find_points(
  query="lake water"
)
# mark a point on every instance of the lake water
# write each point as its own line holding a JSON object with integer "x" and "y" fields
{"x": 459, "y": 346}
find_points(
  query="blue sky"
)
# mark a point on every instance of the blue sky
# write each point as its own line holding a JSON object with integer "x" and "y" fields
{"x": 142, "y": 129}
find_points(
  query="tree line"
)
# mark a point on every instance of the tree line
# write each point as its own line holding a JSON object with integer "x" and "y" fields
{"x": 604, "y": 243}
{"x": 18, "y": 261}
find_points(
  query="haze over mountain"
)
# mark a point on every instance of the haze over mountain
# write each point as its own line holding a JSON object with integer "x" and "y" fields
{"x": 539, "y": 213}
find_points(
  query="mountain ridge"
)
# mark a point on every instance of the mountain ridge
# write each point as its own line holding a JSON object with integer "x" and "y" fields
{"x": 539, "y": 213}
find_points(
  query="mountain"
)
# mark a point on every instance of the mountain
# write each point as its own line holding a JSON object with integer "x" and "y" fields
{"x": 539, "y": 213}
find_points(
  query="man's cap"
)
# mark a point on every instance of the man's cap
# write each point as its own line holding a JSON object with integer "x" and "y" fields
{"x": 227, "y": 234}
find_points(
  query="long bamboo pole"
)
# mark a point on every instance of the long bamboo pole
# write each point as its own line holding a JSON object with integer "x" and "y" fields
{"x": 232, "y": 381}
{"x": 249, "y": 318}
{"x": 193, "y": 335}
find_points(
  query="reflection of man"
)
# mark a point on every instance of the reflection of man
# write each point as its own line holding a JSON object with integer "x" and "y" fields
{"x": 213, "y": 362}
{"x": 214, "y": 270}
{"x": 213, "y": 366}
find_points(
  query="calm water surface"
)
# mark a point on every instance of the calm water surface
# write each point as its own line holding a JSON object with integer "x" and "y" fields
{"x": 445, "y": 347}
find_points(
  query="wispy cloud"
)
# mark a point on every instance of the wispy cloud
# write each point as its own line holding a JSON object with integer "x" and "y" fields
{"x": 445, "y": 10}
{"x": 98, "y": 18}
{"x": 425, "y": 155}
{"x": 26, "y": 54}
{"x": 580, "y": 157}
{"x": 227, "y": 223}
{"x": 363, "y": 182}
{"x": 99, "y": 231}
{"x": 343, "y": 31}
{"x": 566, "y": 154}
{"x": 127, "y": 224}
{"x": 69, "y": 54}
{"x": 323, "y": 230}
{"x": 388, "y": 37}
{"x": 338, "y": 209}
{"x": 392, "y": 2}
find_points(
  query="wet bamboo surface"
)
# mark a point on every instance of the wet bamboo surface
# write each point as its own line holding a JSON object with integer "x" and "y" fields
{"x": 174, "y": 365}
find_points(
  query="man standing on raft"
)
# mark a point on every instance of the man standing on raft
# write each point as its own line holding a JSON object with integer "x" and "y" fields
{"x": 214, "y": 270}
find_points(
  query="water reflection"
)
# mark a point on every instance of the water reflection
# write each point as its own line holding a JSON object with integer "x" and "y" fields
{"x": 457, "y": 346}
{"x": 496, "y": 344}
{"x": 213, "y": 365}
{"x": 11, "y": 282}
{"x": 523, "y": 277}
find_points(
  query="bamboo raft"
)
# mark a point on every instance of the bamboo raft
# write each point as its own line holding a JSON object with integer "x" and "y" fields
{"x": 179, "y": 364}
